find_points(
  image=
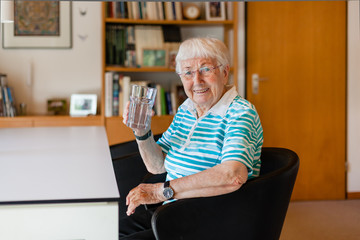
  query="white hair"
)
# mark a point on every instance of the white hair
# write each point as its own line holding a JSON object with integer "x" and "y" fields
{"x": 211, "y": 48}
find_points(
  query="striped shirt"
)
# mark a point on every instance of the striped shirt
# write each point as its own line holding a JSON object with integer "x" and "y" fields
{"x": 229, "y": 131}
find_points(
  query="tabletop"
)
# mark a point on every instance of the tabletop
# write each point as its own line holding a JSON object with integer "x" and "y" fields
{"x": 55, "y": 164}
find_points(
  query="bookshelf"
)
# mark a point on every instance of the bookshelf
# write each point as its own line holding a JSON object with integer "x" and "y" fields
{"x": 116, "y": 130}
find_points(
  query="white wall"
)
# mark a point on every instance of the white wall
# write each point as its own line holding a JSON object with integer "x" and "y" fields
{"x": 58, "y": 73}
{"x": 353, "y": 99}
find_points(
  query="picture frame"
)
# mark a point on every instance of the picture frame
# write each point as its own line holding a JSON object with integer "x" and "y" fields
{"x": 172, "y": 57}
{"x": 83, "y": 105}
{"x": 215, "y": 11}
{"x": 155, "y": 57}
{"x": 39, "y": 33}
{"x": 57, "y": 106}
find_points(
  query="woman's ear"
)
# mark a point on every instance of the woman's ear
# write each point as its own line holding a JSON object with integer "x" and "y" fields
{"x": 226, "y": 72}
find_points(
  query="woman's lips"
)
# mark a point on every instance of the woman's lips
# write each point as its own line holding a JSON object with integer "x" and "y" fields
{"x": 200, "y": 91}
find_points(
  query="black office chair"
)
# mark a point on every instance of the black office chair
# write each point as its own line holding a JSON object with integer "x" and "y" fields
{"x": 129, "y": 169}
{"x": 256, "y": 211}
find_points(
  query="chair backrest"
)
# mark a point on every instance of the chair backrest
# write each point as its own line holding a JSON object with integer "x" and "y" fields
{"x": 271, "y": 192}
{"x": 254, "y": 212}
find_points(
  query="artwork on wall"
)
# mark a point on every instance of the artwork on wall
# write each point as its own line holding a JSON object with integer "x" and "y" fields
{"x": 39, "y": 24}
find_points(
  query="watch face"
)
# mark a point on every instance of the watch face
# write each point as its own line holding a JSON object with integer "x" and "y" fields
{"x": 168, "y": 193}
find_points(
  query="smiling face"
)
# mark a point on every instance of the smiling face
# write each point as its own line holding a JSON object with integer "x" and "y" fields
{"x": 204, "y": 91}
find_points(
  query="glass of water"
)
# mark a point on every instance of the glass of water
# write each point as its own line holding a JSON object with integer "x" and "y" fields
{"x": 142, "y": 100}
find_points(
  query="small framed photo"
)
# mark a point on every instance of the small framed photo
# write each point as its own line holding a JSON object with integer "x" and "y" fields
{"x": 154, "y": 57}
{"x": 215, "y": 11}
{"x": 57, "y": 106}
{"x": 83, "y": 105}
{"x": 172, "y": 57}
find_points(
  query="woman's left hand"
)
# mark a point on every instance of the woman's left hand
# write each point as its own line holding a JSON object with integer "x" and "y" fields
{"x": 144, "y": 194}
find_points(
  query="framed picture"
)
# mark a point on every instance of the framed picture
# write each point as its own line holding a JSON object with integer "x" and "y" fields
{"x": 172, "y": 57}
{"x": 83, "y": 105}
{"x": 57, "y": 106}
{"x": 155, "y": 57}
{"x": 39, "y": 24}
{"x": 215, "y": 11}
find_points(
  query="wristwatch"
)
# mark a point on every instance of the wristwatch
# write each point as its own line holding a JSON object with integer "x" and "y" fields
{"x": 168, "y": 191}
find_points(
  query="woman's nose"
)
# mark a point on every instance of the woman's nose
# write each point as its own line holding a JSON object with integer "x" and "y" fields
{"x": 197, "y": 77}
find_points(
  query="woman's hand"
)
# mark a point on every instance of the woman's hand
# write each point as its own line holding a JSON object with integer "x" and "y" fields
{"x": 138, "y": 132}
{"x": 144, "y": 194}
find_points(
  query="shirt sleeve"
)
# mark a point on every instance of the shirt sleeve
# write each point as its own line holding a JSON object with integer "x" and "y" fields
{"x": 243, "y": 140}
{"x": 164, "y": 141}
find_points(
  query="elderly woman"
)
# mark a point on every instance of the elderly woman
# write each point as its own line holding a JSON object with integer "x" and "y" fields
{"x": 213, "y": 144}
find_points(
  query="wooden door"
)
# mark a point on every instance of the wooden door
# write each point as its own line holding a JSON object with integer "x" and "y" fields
{"x": 298, "y": 49}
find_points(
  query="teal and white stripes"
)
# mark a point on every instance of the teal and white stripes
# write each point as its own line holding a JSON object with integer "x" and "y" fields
{"x": 233, "y": 134}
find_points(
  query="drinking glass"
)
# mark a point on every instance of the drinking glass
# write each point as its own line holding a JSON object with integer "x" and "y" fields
{"x": 141, "y": 102}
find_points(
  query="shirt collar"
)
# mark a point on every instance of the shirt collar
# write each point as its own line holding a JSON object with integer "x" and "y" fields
{"x": 220, "y": 107}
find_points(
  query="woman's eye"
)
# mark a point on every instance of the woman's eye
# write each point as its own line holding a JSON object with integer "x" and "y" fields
{"x": 187, "y": 73}
{"x": 205, "y": 69}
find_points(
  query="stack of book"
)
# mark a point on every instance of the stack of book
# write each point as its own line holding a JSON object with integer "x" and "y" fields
{"x": 7, "y": 100}
{"x": 120, "y": 45}
{"x": 117, "y": 94}
{"x": 144, "y": 10}
{"x": 125, "y": 43}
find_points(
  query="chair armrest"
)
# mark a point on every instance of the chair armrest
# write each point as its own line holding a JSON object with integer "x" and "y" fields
{"x": 200, "y": 218}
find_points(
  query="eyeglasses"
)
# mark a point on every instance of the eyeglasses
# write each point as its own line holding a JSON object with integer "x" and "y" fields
{"x": 203, "y": 71}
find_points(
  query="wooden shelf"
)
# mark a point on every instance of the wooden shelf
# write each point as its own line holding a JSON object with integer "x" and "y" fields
{"x": 47, "y": 121}
{"x": 168, "y": 22}
{"x": 142, "y": 69}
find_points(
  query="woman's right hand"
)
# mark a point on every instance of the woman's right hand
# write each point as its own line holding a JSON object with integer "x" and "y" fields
{"x": 137, "y": 131}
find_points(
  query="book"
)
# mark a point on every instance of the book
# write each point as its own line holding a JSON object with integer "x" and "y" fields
{"x": 129, "y": 10}
{"x": 173, "y": 97}
{"x": 125, "y": 91}
{"x": 178, "y": 11}
{"x": 151, "y": 11}
{"x": 157, "y": 105}
{"x": 160, "y": 10}
{"x": 168, "y": 103}
{"x": 1, "y": 103}
{"x": 12, "y": 109}
{"x": 135, "y": 10}
{"x": 168, "y": 11}
{"x": 115, "y": 96}
{"x": 108, "y": 93}
{"x": 163, "y": 101}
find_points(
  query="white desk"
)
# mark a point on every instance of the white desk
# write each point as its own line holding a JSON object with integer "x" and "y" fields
{"x": 57, "y": 183}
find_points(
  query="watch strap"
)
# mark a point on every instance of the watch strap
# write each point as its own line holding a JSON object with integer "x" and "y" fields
{"x": 144, "y": 137}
